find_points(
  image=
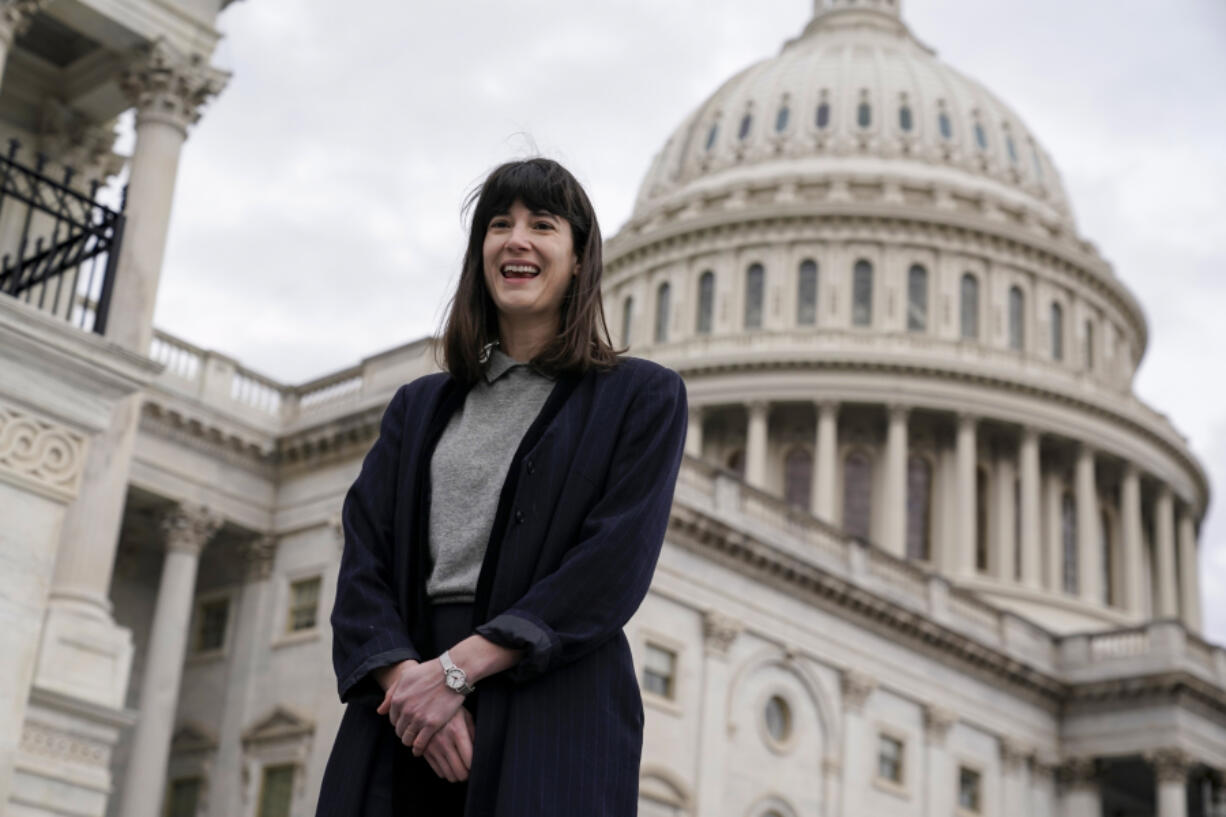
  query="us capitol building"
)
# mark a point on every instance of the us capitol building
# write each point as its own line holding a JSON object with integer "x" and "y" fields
{"x": 929, "y": 555}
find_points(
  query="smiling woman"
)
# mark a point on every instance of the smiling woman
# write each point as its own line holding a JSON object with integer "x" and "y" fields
{"x": 502, "y": 531}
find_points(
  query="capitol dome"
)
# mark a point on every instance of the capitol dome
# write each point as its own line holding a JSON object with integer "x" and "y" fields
{"x": 866, "y": 268}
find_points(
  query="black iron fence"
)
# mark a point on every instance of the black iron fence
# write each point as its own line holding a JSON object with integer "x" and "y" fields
{"x": 60, "y": 247}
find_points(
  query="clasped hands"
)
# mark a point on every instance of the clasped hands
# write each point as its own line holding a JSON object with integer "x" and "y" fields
{"x": 429, "y": 717}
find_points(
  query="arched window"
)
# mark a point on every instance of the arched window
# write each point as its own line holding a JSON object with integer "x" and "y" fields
{"x": 712, "y": 135}
{"x": 970, "y": 306}
{"x": 917, "y": 299}
{"x": 919, "y": 507}
{"x": 857, "y": 494}
{"x": 823, "y": 115}
{"x": 1009, "y": 146}
{"x": 864, "y": 115}
{"x": 806, "y": 293}
{"x": 1038, "y": 163}
{"x": 1068, "y": 542}
{"x": 798, "y": 477}
{"x": 1057, "y": 332}
{"x": 981, "y": 519}
{"x": 1017, "y": 315}
{"x": 746, "y": 127}
{"x": 862, "y": 294}
{"x": 904, "y": 118}
{"x": 946, "y": 128}
{"x": 1089, "y": 346}
{"x": 781, "y": 119}
{"x": 755, "y": 283}
{"x": 736, "y": 463}
{"x": 706, "y": 302}
{"x": 981, "y": 136}
{"x": 627, "y": 317}
{"x": 662, "y": 307}
{"x": 1105, "y": 541}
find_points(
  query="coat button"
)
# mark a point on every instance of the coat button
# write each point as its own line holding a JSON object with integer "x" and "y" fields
{"x": 519, "y": 517}
{"x": 531, "y": 466}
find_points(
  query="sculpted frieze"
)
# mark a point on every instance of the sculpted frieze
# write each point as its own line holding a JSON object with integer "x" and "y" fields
{"x": 40, "y": 454}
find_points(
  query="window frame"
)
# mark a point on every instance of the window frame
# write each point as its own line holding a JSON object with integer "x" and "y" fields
{"x": 902, "y": 786}
{"x": 760, "y": 268}
{"x": 974, "y": 293}
{"x": 911, "y": 277}
{"x": 862, "y": 265}
{"x": 977, "y": 770}
{"x": 652, "y": 638}
{"x": 706, "y": 304}
{"x": 806, "y": 265}
{"x": 282, "y": 635}
{"x": 230, "y": 596}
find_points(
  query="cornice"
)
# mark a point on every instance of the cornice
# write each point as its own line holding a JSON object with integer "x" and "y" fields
{"x": 338, "y": 438}
{"x": 1163, "y": 687}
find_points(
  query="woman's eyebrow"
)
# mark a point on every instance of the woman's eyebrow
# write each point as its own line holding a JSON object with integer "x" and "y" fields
{"x": 544, "y": 213}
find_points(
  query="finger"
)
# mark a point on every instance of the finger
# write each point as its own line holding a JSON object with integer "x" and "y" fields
{"x": 446, "y": 760}
{"x": 423, "y": 740}
{"x": 448, "y": 749}
{"x": 434, "y": 766}
{"x": 386, "y": 703}
{"x": 464, "y": 741}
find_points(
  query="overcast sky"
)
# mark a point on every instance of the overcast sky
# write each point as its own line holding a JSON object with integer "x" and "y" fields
{"x": 317, "y": 217}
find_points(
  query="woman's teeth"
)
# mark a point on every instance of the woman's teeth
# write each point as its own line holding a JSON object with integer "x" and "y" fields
{"x": 519, "y": 271}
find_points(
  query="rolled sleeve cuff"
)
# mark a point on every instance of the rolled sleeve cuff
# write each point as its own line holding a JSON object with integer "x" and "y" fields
{"x": 359, "y": 686}
{"x": 518, "y": 630}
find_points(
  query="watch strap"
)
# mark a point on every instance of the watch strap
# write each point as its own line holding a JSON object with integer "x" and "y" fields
{"x": 450, "y": 670}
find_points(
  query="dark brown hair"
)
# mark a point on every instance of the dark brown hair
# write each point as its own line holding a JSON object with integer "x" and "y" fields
{"x": 583, "y": 339}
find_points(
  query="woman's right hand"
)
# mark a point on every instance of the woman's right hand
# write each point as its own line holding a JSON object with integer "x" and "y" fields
{"x": 450, "y": 751}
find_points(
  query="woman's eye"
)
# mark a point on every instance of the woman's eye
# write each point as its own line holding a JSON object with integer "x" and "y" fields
{"x": 544, "y": 225}
{"x": 498, "y": 223}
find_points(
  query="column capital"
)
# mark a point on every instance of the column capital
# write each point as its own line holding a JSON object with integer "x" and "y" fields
{"x": 188, "y": 528}
{"x": 16, "y": 16}
{"x": 937, "y": 722}
{"x": 1170, "y": 765}
{"x": 1078, "y": 773}
{"x": 1014, "y": 754}
{"x": 168, "y": 86}
{"x": 74, "y": 140}
{"x": 898, "y": 411}
{"x": 753, "y": 406}
{"x": 719, "y": 631}
{"x": 966, "y": 418}
{"x": 828, "y": 406}
{"x": 856, "y": 686}
{"x": 1030, "y": 432}
{"x": 259, "y": 554}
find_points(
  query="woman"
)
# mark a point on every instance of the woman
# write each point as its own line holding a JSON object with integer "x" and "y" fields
{"x": 503, "y": 529}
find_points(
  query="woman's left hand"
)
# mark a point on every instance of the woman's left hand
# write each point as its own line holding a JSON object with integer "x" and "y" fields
{"x": 418, "y": 704}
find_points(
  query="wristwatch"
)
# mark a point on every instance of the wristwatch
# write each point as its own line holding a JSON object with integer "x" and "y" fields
{"x": 455, "y": 678}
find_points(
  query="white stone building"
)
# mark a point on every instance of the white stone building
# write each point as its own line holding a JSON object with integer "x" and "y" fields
{"x": 929, "y": 555}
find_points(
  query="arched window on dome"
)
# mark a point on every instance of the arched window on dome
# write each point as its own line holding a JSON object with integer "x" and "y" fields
{"x": 862, "y": 294}
{"x": 981, "y": 136}
{"x": 706, "y": 302}
{"x": 735, "y": 462}
{"x": 627, "y": 317}
{"x": 981, "y": 519}
{"x": 798, "y": 477}
{"x": 970, "y": 306}
{"x": 917, "y": 299}
{"x": 857, "y": 494}
{"x": 806, "y": 293}
{"x": 1038, "y": 163}
{"x": 945, "y": 126}
{"x": 1057, "y": 332}
{"x": 919, "y": 508}
{"x": 823, "y": 115}
{"x": 1068, "y": 543}
{"x": 663, "y": 299}
{"x": 781, "y": 119}
{"x": 864, "y": 114}
{"x": 1089, "y": 356}
{"x": 712, "y": 135}
{"x": 746, "y": 127}
{"x": 1106, "y": 542}
{"x": 1011, "y": 148}
{"x": 755, "y": 284}
{"x": 1017, "y": 317}
{"x": 905, "y": 120}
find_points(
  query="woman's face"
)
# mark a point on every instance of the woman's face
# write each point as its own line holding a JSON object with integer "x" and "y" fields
{"x": 529, "y": 261}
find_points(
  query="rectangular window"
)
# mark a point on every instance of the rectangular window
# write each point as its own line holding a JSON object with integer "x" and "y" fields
{"x": 276, "y": 791}
{"x": 183, "y": 797}
{"x": 211, "y": 620}
{"x": 889, "y": 759}
{"x": 659, "y": 671}
{"x": 970, "y": 794}
{"x": 303, "y": 604}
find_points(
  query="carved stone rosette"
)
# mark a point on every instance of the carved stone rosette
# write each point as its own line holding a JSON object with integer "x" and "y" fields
{"x": 719, "y": 631}
{"x": 259, "y": 554}
{"x": 188, "y": 528}
{"x": 937, "y": 722}
{"x": 16, "y": 16}
{"x": 168, "y": 86}
{"x": 44, "y": 455}
{"x": 1170, "y": 765}
{"x": 857, "y": 686}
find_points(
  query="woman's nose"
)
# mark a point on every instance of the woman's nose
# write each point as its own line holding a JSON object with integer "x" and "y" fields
{"x": 519, "y": 236}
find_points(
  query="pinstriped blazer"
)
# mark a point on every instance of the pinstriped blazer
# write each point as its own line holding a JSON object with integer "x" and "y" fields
{"x": 580, "y": 522}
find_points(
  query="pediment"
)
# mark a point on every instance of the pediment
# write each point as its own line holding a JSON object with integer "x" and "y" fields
{"x": 190, "y": 737}
{"x": 282, "y": 723}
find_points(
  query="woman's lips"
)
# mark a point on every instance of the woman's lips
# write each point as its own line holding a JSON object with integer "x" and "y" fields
{"x": 520, "y": 270}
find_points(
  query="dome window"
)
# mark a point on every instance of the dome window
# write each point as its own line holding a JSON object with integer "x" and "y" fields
{"x": 781, "y": 119}
{"x": 904, "y": 118}
{"x": 1017, "y": 314}
{"x": 823, "y": 115}
{"x": 746, "y": 127}
{"x": 712, "y": 135}
{"x": 864, "y": 115}
{"x": 806, "y": 293}
{"x": 755, "y": 285}
{"x": 947, "y": 130}
{"x": 970, "y": 307}
{"x": 1057, "y": 332}
{"x": 1009, "y": 146}
{"x": 706, "y": 302}
{"x": 663, "y": 300}
{"x": 862, "y": 294}
{"x": 981, "y": 136}
{"x": 917, "y": 299}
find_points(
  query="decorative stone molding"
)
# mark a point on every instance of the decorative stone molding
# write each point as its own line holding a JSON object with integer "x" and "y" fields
{"x": 856, "y": 686}
{"x": 16, "y": 16}
{"x": 937, "y": 722}
{"x": 73, "y": 140}
{"x": 1078, "y": 773}
{"x": 719, "y": 631}
{"x": 1014, "y": 755}
{"x": 1170, "y": 765}
{"x": 40, "y": 454}
{"x": 40, "y": 740}
{"x": 170, "y": 87}
{"x": 188, "y": 528}
{"x": 259, "y": 553}
{"x": 282, "y": 737}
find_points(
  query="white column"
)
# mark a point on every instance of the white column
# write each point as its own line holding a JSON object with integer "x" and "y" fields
{"x": 827, "y": 446}
{"x": 1171, "y": 774}
{"x": 1015, "y": 788}
{"x": 1031, "y": 521}
{"x": 966, "y": 520}
{"x": 858, "y": 755}
{"x": 1164, "y": 534}
{"x": 1189, "y": 573}
{"x": 1089, "y": 541}
{"x": 755, "y": 444}
{"x": 1006, "y": 518}
{"x": 719, "y": 633}
{"x": 894, "y": 529}
{"x": 1130, "y": 512}
{"x": 1053, "y": 492}
{"x": 938, "y": 778}
{"x": 693, "y": 437}
{"x": 1081, "y": 796}
{"x": 188, "y": 530}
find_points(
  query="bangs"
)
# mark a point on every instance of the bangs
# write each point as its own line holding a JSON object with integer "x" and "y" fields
{"x": 542, "y": 186}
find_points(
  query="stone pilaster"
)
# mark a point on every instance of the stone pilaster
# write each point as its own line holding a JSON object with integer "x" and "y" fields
{"x": 938, "y": 780}
{"x": 1130, "y": 513}
{"x": 1089, "y": 538}
{"x": 1164, "y": 547}
{"x": 186, "y": 529}
{"x": 755, "y": 444}
{"x": 1014, "y": 763}
{"x": 857, "y": 746}
{"x": 720, "y": 631}
{"x": 967, "y": 521}
{"x": 894, "y": 529}
{"x": 1189, "y": 573}
{"x": 1171, "y": 767}
{"x": 1030, "y": 522}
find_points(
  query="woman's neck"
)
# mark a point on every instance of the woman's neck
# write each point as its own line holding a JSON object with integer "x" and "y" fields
{"x": 522, "y": 341}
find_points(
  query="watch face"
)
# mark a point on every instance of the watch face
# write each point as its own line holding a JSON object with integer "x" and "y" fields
{"x": 455, "y": 679}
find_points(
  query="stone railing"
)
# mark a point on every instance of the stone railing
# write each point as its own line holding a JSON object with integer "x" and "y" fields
{"x": 1156, "y": 647}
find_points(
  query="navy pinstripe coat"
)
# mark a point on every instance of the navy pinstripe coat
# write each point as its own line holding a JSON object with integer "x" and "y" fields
{"x": 580, "y": 522}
